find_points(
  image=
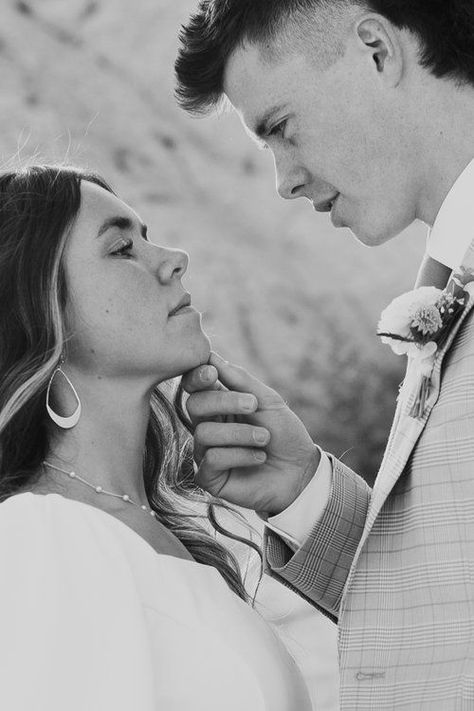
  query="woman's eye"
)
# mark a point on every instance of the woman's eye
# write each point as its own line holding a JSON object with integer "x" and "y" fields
{"x": 122, "y": 248}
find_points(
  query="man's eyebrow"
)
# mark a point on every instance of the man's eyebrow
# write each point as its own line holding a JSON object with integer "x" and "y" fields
{"x": 122, "y": 223}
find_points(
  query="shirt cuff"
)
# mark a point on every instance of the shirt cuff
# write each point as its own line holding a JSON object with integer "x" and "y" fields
{"x": 295, "y": 523}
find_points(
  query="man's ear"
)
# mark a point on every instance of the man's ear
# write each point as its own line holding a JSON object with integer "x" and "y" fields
{"x": 382, "y": 43}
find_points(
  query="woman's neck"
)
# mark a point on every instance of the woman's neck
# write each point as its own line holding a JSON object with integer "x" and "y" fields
{"x": 106, "y": 447}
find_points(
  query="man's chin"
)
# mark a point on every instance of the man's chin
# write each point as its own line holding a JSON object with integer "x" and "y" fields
{"x": 370, "y": 237}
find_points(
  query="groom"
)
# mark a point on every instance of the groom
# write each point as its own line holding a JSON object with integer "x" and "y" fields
{"x": 368, "y": 109}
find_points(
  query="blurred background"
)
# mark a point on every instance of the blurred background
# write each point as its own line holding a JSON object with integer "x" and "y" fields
{"x": 283, "y": 293}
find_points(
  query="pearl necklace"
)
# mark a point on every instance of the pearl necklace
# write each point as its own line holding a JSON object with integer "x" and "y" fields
{"x": 101, "y": 490}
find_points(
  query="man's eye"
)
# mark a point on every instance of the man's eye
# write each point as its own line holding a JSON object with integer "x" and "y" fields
{"x": 123, "y": 248}
{"x": 278, "y": 130}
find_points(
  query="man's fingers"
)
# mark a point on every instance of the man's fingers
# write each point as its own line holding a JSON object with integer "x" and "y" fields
{"x": 217, "y": 465}
{"x": 213, "y": 403}
{"x": 202, "y": 378}
{"x": 212, "y": 434}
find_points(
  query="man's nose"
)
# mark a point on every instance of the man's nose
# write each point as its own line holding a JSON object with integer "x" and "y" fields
{"x": 173, "y": 264}
{"x": 291, "y": 179}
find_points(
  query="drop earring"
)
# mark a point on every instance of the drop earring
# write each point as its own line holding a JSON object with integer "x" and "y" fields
{"x": 66, "y": 423}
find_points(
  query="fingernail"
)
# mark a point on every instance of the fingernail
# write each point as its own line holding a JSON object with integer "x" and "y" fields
{"x": 260, "y": 436}
{"x": 260, "y": 456}
{"x": 248, "y": 402}
{"x": 205, "y": 375}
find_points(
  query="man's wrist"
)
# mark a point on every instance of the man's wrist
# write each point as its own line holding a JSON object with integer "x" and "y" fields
{"x": 295, "y": 523}
{"x": 306, "y": 476}
{"x": 311, "y": 469}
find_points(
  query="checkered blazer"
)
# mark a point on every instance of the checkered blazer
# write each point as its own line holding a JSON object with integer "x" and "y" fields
{"x": 395, "y": 565}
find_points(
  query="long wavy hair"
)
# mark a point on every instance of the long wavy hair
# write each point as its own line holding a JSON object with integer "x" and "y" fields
{"x": 38, "y": 205}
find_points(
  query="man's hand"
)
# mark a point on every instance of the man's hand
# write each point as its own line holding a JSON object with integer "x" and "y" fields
{"x": 252, "y": 450}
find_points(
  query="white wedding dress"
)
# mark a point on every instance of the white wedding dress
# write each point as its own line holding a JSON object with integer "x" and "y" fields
{"x": 93, "y": 619}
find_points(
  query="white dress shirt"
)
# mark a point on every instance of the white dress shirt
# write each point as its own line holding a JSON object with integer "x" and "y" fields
{"x": 453, "y": 230}
{"x": 448, "y": 241}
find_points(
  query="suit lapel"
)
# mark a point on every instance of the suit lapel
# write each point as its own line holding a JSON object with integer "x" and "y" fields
{"x": 406, "y": 430}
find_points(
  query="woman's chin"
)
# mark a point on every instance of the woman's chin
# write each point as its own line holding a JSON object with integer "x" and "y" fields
{"x": 204, "y": 350}
{"x": 193, "y": 359}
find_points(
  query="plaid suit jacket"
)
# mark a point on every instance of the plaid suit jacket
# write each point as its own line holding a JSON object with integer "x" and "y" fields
{"x": 395, "y": 566}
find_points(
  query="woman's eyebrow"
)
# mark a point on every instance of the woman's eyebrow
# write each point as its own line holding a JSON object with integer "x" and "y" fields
{"x": 122, "y": 223}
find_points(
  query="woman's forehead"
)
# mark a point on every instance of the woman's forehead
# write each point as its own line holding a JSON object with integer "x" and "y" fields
{"x": 96, "y": 199}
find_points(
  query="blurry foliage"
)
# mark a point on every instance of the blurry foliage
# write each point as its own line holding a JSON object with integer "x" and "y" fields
{"x": 345, "y": 396}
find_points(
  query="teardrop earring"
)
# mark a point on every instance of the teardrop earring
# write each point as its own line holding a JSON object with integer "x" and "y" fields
{"x": 65, "y": 423}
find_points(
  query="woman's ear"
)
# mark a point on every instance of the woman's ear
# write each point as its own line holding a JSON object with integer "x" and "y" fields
{"x": 382, "y": 43}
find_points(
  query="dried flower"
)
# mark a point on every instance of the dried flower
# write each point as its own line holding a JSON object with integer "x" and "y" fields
{"x": 427, "y": 320}
{"x": 414, "y": 311}
{"x": 417, "y": 323}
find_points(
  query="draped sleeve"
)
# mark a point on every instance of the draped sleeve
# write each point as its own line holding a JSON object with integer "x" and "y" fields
{"x": 72, "y": 636}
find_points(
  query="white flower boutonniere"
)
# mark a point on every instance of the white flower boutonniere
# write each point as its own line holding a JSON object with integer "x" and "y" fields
{"x": 416, "y": 324}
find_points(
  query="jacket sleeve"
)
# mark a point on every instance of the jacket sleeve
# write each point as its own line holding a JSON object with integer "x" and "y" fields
{"x": 318, "y": 570}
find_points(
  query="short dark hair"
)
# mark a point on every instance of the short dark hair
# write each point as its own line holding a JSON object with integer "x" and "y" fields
{"x": 445, "y": 29}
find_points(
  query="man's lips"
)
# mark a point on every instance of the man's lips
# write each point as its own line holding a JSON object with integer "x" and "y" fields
{"x": 184, "y": 303}
{"x": 327, "y": 204}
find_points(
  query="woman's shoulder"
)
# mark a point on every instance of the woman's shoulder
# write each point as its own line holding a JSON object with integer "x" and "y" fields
{"x": 37, "y": 525}
{"x": 61, "y": 533}
{"x": 38, "y": 511}
{"x": 80, "y": 538}
{"x": 72, "y": 603}
{"x": 66, "y": 550}
{"x": 53, "y": 544}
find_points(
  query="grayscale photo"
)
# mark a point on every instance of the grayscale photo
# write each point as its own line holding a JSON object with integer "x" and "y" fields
{"x": 237, "y": 355}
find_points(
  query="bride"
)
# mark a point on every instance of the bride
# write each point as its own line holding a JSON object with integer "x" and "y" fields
{"x": 114, "y": 593}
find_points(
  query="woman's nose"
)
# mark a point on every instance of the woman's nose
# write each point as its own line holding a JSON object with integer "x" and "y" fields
{"x": 173, "y": 264}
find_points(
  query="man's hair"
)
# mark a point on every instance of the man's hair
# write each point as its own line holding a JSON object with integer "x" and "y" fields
{"x": 444, "y": 28}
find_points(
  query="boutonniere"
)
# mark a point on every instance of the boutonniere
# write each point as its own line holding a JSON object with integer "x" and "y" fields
{"x": 416, "y": 324}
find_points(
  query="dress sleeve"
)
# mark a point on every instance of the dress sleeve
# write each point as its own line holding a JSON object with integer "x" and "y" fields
{"x": 72, "y": 635}
{"x": 198, "y": 671}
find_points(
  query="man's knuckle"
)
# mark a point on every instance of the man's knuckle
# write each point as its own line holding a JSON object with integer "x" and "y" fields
{"x": 222, "y": 401}
{"x": 211, "y": 458}
{"x": 200, "y": 432}
{"x": 236, "y": 435}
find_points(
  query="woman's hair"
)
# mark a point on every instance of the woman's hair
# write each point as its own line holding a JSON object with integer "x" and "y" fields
{"x": 38, "y": 205}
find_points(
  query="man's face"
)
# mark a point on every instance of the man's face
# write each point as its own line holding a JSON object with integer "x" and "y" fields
{"x": 335, "y": 133}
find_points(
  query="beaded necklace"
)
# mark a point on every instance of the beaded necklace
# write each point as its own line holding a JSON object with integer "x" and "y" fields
{"x": 100, "y": 490}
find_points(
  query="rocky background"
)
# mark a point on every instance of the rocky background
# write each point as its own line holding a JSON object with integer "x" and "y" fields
{"x": 91, "y": 82}
{"x": 283, "y": 292}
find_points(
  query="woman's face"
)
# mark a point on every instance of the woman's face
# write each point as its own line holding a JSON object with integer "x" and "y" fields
{"x": 124, "y": 293}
